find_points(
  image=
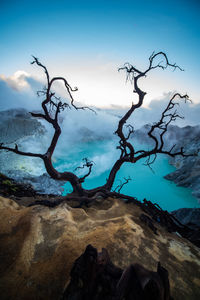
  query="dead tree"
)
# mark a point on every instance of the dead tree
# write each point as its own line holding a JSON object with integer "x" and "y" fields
{"x": 52, "y": 106}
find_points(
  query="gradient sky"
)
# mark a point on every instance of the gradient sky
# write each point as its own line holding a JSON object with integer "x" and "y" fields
{"x": 87, "y": 41}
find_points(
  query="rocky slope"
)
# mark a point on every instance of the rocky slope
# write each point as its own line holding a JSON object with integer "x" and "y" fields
{"x": 17, "y": 126}
{"x": 187, "y": 173}
{"x": 18, "y": 123}
{"x": 38, "y": 246}
{"x": 188, "y": 216}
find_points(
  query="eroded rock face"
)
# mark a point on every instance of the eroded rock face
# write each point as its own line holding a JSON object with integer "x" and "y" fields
{"x": 38, "y": 246}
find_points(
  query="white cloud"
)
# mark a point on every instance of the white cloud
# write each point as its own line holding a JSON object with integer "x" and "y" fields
{"x": 99, "y": 84}
{"x": 18, "y": 81}
{"x": 18, "y": 90}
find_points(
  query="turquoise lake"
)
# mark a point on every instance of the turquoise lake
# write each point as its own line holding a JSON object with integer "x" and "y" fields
{"x": 144, "y": 183}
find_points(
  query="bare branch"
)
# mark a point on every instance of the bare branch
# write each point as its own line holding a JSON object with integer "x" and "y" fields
{"x": 150, "y": 161}
{"x": 167, "y": 117}
{"x": 130, "y": 131}
{"x": 36, "y": 61}
{"x": 17, "y": 151}
{"x": 131, "y": 71}
{"x": 70, "y": 90}
{"x": 160, "y": 65}
{"x": 88, "y": 164}
{"x": 121, "y": 185}
{"x": 41, "y": 93}
{"x": 38, "y": 115}
{"x": 127, "y": 151}
{"x": 134, "y": 75}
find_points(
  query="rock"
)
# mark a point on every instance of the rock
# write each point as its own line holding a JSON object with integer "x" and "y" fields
{"x": 149, "y": 222}
{"x": 169, "y": 221}
{"x": 191, "y": 218}
{"x": 27, "y": 187}
{"x": 18, "y": 123}
{"x": 38, "y": 246}
{"x": 18, "y": 127}
{"x": 188, "y": 168}
{"x": 95, "y": 277}
{"x": 43, "y": 184}
{"x": 188, "y": 216}
{"x": 10, "y": 187}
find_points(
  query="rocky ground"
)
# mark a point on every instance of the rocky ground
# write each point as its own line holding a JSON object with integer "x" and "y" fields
{"x": 40, "y": 244}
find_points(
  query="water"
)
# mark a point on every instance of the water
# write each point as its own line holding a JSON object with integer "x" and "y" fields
{"x": 144, "y": 183}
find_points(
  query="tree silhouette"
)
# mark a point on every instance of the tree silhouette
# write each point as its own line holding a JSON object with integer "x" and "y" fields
{"x": 53, "y": 105}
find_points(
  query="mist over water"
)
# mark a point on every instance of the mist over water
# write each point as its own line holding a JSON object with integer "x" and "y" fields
{"x": 85, "y": 134}
{"x": 144, "y": 183}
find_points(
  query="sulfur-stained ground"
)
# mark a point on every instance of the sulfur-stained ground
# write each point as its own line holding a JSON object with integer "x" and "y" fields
{"x": 38, "y": 246}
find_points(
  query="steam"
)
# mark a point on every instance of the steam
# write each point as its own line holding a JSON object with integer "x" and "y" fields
{"x": 20, "y": 89}
{"x": 80, "y": 128}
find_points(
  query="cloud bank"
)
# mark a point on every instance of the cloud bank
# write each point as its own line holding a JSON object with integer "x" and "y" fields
{"x": 20, "y": 89}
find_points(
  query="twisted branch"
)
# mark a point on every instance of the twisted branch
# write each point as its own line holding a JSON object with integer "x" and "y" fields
{"x": 52, "y": 106}
{"x": 88, "y": 164}
{"x": 121, "y": 185}
{"x": 17, "y": 151}
{"x": 127, "y": 150}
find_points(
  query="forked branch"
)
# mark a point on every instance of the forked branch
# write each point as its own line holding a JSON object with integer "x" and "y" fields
{"x": 127, "y": 149}
{"x": 87, "y": 164}
{"x": 17, "y": 151}
{"x": 121, "y": 184}
{"x": 53, "y": 105}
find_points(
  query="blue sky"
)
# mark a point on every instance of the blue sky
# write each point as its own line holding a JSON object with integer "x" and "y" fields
{"x": 86, "y": 40}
